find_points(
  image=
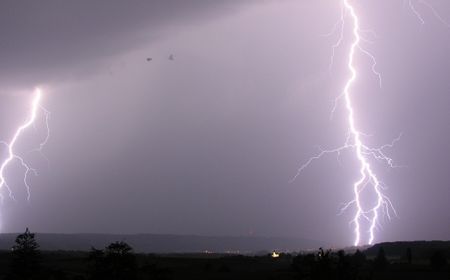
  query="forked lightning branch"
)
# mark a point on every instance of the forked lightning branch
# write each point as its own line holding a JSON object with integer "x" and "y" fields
{"x": 14, "y": 157}
{"x": 366, "y": 213}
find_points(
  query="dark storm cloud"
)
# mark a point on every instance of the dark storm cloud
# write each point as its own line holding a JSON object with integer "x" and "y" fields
{"x": 40, "y": 40}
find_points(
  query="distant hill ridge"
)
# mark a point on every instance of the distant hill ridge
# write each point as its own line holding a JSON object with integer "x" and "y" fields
{"x": 162, "y": 243}
{"x": 421, "y": 249}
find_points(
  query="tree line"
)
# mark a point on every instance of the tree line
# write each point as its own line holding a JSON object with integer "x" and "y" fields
{"x": 326, "y": 264}
{"x": 117, "y": 261}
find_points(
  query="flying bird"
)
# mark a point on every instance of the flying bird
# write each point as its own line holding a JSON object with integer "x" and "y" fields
{"x": 149, "y": 59}
{"x": 171, "y": 57}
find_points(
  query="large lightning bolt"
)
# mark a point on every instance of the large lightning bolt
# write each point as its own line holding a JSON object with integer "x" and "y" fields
{"x": 369, "y": 212}
{"x": 367, "y": 176}
{"x": 14, "y": 156}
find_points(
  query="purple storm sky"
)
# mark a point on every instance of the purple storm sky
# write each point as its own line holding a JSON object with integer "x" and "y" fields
{"x": 207, "y": 143}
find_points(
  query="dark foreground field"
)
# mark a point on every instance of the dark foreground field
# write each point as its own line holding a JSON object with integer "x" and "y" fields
{"x": 76, "y": 265}
{"x": 80, "y": 265}
{"x": 118, "y": 260}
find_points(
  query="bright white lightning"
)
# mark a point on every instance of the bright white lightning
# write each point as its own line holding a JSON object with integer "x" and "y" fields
{"x": 12, "y": 154}
{"x": 367, "y": 177}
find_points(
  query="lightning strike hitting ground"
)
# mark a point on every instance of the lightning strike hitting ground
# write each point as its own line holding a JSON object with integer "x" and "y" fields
{"x": 367, "y": 176}
{"x": 14, "y": 156}
{"x": 369, "y": 212}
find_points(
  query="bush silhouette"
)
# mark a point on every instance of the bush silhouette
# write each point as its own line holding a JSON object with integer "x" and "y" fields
{"x": 116, "y": 262}
{"x": 358, "y": 258}
{"x": 121, "y": 260}
{"x": 381, "y": 261}
{"x": 438, "y": 260}
{"x": 97, "y": 266}
{"x": 409, "y": 255}
{"x": 25, "y": 256}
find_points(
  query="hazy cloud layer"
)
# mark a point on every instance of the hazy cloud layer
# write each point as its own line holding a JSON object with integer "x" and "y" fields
{"x": 207, "y": 143}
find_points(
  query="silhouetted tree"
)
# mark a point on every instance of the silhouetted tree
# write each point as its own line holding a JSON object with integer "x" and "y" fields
{"x": 325, "y": 265}
{"x": 358, "y": 259}
{"x": 438, "y": 260}
{"x": 381, "y": 261}
{"x": 25, "y": 256}
{"x": 97, "y": 265}
{"x": 116, "y": 262}
{"x": 321, "y": 265}
{"x": 409, "y": 255}
{"x": 344, "y": 266}
{"x": 120, "y": 261}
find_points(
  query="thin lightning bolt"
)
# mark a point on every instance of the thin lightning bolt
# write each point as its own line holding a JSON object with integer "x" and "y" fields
{"x": 12, "y": 155}
{"x": 367, "y": 177}
{"x": 419, "y": 16}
